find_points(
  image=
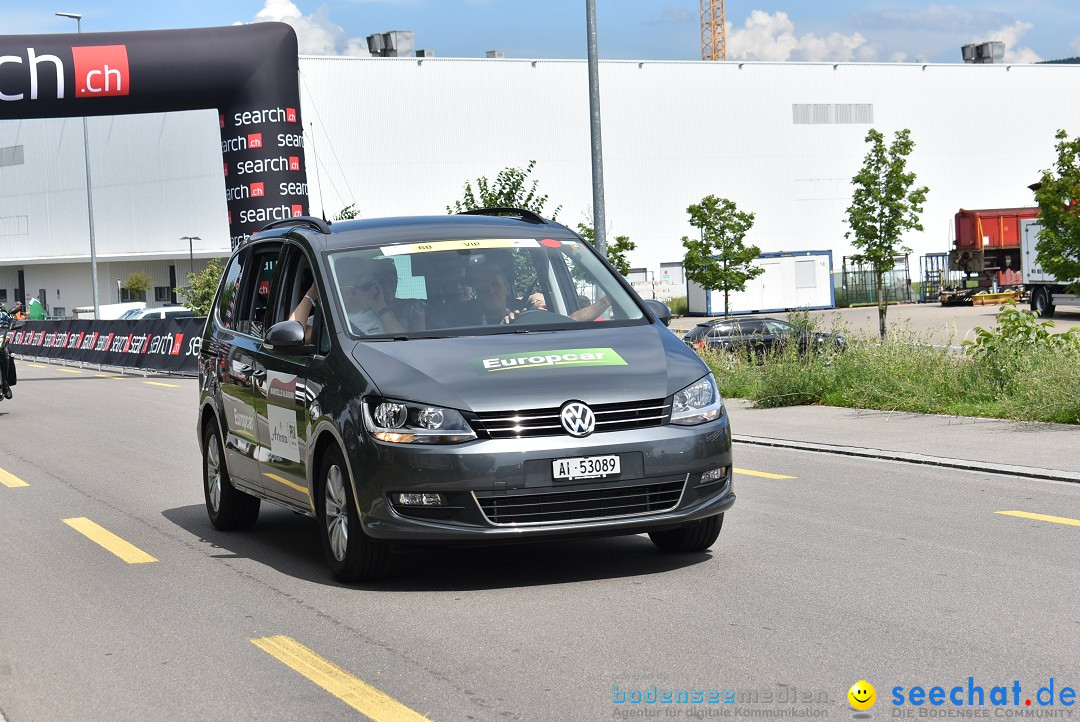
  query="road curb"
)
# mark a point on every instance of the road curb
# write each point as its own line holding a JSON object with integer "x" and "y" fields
{"x": 1027, "y": 472}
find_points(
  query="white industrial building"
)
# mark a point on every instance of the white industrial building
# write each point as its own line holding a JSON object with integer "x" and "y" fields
{"x": 403, "y": 135}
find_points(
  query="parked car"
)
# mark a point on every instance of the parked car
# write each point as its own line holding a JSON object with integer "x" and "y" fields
{"x": 346, "y": 374}
{"x": 759, "y": 336}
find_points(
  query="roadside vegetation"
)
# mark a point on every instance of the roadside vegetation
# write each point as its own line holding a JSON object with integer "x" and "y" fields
{"x": 1020, "y": 369}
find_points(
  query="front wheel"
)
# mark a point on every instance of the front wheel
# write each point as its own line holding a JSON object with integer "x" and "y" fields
{"x": 229, "y": 508}
{"x": 350, "y": 553}
{"x": 697, "y": 536}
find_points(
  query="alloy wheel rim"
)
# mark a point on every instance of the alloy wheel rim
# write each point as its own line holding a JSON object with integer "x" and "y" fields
{"x": 213, "y": 475}
{"x": 337, "y": 518}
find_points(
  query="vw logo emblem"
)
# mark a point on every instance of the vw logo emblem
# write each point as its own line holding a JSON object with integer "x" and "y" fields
{"x": 577, "y": 419}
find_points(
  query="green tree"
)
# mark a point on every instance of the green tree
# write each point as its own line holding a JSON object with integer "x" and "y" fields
{"x": 199, "y": 293}
{"x": 884, "y": 205}
{"x": 347, "y": 213}
{"x": 508, "y": 191}
{"x": 1059, "y": 214}
{"x": 137, "y": 284}
{"x": 616, "y": 252}
{"x": 719, "y": 260}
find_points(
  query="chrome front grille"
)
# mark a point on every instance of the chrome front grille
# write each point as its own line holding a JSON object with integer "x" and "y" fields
{"x": 601, "y": 503}
{"x": 545, "y": 422}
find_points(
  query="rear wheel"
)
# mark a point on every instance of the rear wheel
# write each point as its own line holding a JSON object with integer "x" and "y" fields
{"x": 1041, "y": 303}
{"x": 229, "y": 508}
{"x": 350, "y": 553}
{"x": 697, "y": 536}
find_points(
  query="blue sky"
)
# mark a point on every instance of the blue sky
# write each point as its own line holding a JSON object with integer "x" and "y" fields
{"x": 834, "y": 30}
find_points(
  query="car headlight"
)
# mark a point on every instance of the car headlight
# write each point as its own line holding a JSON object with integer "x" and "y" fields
{"x": 406, "y": 422}
{"x": 697, "y": 403}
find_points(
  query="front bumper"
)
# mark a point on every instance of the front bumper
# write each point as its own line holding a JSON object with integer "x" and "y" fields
{"x": 659, "y": 486}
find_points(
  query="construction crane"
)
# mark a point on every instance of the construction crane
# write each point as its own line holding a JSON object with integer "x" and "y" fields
{"x": 713, "y": 30}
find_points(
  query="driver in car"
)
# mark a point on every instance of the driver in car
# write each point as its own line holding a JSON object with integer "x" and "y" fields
{"x": 489, "y": 307}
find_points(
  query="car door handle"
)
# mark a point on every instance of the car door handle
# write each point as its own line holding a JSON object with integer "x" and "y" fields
{"x": 251, "y": 372}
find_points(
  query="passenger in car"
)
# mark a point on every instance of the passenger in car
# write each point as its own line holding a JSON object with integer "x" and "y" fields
{"x": 305, "y": 310}
{"x": 365, "y": 302}
{"x": 411, "y": 312}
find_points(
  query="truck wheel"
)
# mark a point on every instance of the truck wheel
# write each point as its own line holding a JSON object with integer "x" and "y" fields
{"x": 350, "y": 553}
{"x": 697, "y": 536}
{"x": 229, "y": 509}
{"x": 1041, "y": 303}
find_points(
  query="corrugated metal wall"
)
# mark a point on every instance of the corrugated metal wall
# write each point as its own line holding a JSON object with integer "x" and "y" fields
{"x": 403, "y": 135}
{"x": 781, "y": 140}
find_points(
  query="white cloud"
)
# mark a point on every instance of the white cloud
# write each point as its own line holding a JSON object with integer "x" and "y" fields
{"x": 767, "y": 36}
{"x": 1075, "y": 45}
{"x": 1010, "y": 35}
{"x": 316, "y": 34}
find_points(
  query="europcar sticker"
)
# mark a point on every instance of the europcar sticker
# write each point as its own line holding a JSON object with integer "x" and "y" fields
{"x": 281, "y": 415}
{"x": 544, "y": 359}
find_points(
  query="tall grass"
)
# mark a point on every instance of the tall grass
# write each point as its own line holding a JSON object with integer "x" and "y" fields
{"x": 1039, "y": 382}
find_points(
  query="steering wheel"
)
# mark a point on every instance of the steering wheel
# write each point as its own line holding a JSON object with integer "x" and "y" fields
{"x": 537, "y": 316}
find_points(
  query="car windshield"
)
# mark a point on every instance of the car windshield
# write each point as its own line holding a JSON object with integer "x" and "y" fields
{"x": 474, "y": 287}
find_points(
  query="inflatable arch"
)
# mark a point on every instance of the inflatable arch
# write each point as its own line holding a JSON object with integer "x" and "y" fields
{"x": 247, "y": 72}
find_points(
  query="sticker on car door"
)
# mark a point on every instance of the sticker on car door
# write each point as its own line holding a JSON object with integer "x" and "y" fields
{"x": 281, "y": 415}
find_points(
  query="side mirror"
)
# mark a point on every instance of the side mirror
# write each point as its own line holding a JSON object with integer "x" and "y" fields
{"x": 287, "y": 337}
{"x": 660, "y": 310}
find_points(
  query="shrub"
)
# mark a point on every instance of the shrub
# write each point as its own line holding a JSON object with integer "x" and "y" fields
{"x": 1005, "y": 353}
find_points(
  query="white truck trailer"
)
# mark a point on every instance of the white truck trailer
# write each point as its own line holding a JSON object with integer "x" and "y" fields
{"x": 1046, "y": 292}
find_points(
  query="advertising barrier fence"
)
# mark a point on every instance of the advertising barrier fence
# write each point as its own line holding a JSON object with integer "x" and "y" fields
{"x": 168, "y": 345}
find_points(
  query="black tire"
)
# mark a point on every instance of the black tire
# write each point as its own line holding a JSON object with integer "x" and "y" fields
{"x": 697, "y": 536}
{"x": 1040, "y": 303}
{"x": 229, "y": 508}
{"x": 351, "y": 554}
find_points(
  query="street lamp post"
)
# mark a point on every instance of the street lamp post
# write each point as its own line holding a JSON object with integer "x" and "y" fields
{"x": 599, "y": 221}
{"x": 89, "y": 189}
{"x": 191, "y": 253}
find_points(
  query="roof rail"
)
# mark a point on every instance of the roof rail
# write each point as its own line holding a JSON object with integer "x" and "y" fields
{"x": 522, "y": 213}
{"x": 317, "y": 223}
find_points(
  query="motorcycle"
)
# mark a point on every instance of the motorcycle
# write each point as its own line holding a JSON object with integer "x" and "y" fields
{"x": 8, "y": 377}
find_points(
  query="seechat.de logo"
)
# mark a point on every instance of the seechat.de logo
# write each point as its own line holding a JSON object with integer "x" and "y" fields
{"x": 101, "y": 70}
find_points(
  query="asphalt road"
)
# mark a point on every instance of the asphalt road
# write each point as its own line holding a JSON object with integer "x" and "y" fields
{"x": 847, "y": 569}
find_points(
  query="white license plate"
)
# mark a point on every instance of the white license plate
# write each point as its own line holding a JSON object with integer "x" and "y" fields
{"x": 585, "y": 467}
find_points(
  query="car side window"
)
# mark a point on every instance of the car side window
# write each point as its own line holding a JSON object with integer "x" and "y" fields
{"x": 728, "y": 328}
{"x": 255, "y": 287}
{"x": 228, "y": 302}
{"x": 752, "y": 328}
{"x": 293, "y": 282}
{"x": 777, "y": 328}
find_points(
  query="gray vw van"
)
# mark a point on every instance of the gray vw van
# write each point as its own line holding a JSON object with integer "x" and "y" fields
{"x": 484, "y": 377}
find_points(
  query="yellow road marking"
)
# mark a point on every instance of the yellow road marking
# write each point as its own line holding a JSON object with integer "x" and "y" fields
{"x": 102, "y": 536}
{"x": 37, "y": 366}
{"x": 286, "y": 482}
{"x": 10, "y": 480}
{"x": 158, "y": 383}
{"x": 762, "y": 474}
{"x": 108, "y": 376}
{"x": 1042, "y": 517}
{"x": 351, "y": 690}
{"x": 69, "y": 371}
